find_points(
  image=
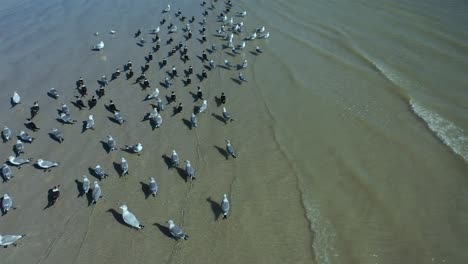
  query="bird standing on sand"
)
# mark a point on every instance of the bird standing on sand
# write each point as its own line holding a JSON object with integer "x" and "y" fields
{"x": 189, "y": 170}
{"x": 124, "y": 166}
{"x": 153, "y": 187}
{"x": 111, "y": 143}
{"x": 176, "y": 232}
{"x": 129, "y": 218}
{"x": 230, "y": 149}
{"x": 225, "y": 206}
{"x": 96, "y": 192}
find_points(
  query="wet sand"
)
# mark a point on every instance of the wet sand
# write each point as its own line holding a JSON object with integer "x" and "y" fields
{"x": 267, "y": 222}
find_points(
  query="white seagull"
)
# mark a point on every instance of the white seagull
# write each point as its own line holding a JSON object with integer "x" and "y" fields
{"x": 130, "y": 219}
{"x": 175, "y": 231}
{"x": 225, "y": 206}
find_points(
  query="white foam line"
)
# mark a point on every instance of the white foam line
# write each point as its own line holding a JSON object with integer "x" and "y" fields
{"x": 448, "y": 132}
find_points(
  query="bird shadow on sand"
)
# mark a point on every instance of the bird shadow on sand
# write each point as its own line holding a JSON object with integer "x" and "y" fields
{"x": 117, "y": 168}
{"x": 224, "y": 67}
{"x": 200, "y": 77}
{"x": 163, "y": 229}
{"x": 89, "y": 197}
{"x": 113, "y": 120}
{"x": 215, "y": 207}
{"x": 105, "y": 146}
{"x": 187, "y": 123}
{"x": 83, "y": 128}
{"x": 218, "y": 101}
{"x": 236, "y": 81}
{"x": 117, "y": 216}
{"x": 182, "y": 173}
{"x": 168, "y": 161}
{"x": 194, "y": 96}
{"x": 146, "y": 189}
{"x": 146, "y": 117}
{"x": 79, "y": 187}
{"x": 220, "y": 118}
{"x": 223, "y": 152}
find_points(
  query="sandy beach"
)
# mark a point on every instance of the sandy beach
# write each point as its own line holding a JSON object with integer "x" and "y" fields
{"x": 258, "y": 229}
{"x": 350, "y": 133}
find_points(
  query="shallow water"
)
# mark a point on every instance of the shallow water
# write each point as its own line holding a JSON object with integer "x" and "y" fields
{"x": 351, "y": 133}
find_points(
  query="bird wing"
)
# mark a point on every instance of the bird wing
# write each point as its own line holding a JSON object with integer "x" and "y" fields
{"x": 153, "y": 187}
{"x": 176, "y": 232}
{"x": 130, "y": 219}
{"x": 96, "y": 193}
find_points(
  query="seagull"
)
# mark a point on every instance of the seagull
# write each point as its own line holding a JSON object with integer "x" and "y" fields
{"x": 227, "y": 64}
{"x": 7, "y": 203}
{"x": 153, "y": 187}
{"x": 175, "y": 231}
{"x": 241, "y": 77}
{"x": 90, "y": 122}
{"x": 112, "y": 32}
{"x": 129, "y": 218}
{"x": 193, "y": 120}
{"x": 253, "y": 36}
{"x": 86, "y": 184}
{"x": 158, "y": 120}
{"x": 225, "y": 206}
{"x": 226, "y": 115}
{"x": 137, "y": 148}
{"x": 15, "y": 99}
{"x": 45, "y": 164}
{"x": 154, "y": 94}
{"x": 244, "y": 64}
{"x": 99, "y": 171}
{"x": 65, "y": 109}
{"x": 160, "y": 104}
{"x": 111, "y": 143}
{"x": 264, "y": 36}
{"x": 99, "y": 46}
{"x": 6, "y": 240}
{"x": 241, "y": 46}
{"x": 66, "y": 118}
{"x": 189, "y": 170}
{"x": 173, "y": 29}
{"x": 155, "y": 30}
{"x": 6, "y": 134}
{"x": 260, "y": 30}
{"x": 230, "y": 149}
{"x": 53, "y": 92}
{"x": 18, "y": 148}
{"x": 175, "y": 159}
{"x": 167, "y": 9}
{"x": 118, "y": 117}
{"x": 203, "y": 106}
{"x": 96, "y": 192}
{"x": 18, "y": 161}
{"x": 6, "y": 172}
{"x": 242, "y": 14}
{"x": 25, "y": 137}
{"x": 124, "y": 166}
{"x": 57, "y": 134}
